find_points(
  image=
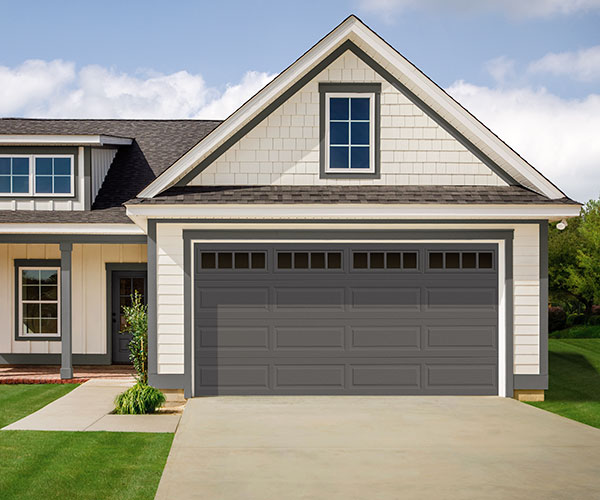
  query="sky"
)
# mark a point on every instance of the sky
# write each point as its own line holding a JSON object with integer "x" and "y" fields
{"x": 530, "y": 70}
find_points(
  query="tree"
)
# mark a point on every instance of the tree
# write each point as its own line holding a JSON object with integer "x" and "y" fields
{"x": 574, "y": 260}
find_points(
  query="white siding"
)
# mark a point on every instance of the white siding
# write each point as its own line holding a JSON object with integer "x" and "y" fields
{"x": 284, "y": 148}
{"x": 101, "y": 161}
{"x": 525, "y": 275}
{"x": 88, "y": 294}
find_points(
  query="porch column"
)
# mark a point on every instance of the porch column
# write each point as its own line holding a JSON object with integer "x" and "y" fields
{"x": 66, "y": 364}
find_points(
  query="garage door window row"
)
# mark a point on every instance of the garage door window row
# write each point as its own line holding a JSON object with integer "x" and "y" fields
{"x": 233, "y": 261}
{"x": 385, "y": 260}
{"x": 321, "y": 261}
{"x": 461, "y": 260}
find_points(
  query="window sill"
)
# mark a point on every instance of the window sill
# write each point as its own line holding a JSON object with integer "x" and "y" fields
{"x": 36, "y": 338}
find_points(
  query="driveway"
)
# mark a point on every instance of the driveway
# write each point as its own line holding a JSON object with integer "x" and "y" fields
{"x": 324, "y": 447}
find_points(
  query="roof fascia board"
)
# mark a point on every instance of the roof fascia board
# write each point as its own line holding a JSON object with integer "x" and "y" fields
{"x": 339, "y": 39}
{"x": 237, "y": 119}
{"x": 452, "y": 107}
{"x": 354, "y": 211}
{"x": 63, "y": 140}
{"x": 72, "y": 229}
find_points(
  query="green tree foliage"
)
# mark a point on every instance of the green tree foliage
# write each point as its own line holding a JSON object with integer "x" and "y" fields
{"x": 136, "y": 323}
{"x": 574, "y": 260}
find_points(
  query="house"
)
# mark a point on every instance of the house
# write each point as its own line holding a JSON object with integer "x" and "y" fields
{"x": 351, "y": 229}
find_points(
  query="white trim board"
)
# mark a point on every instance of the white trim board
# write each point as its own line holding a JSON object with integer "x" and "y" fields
{"x": 63, "y": 140}
{"x": 28, "y": 228}
{"x": 352, "y": 29}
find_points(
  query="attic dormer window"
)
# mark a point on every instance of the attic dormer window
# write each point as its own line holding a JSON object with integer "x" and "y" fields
{"x": 36, "y": 175}
{"x": 349, "y": 129}
{"x": 351, "y": 132}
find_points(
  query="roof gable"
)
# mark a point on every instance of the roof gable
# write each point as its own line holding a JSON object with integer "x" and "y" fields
{"x": 353, "y": 35}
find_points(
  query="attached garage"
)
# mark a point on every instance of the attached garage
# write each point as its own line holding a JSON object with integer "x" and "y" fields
{"x": 351, "y": 319}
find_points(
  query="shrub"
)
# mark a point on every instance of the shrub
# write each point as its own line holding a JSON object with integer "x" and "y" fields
{"x": 557, "y": 318}
{"x": 594, "y": 320}
{"x": 136, "y": 323}
{"x": 138, "y": 400}
{"x": 575, "y": 319}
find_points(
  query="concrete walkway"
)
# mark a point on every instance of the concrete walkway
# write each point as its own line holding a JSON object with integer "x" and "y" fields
{"x": 88, "y": 407}
{"x": 379, "y": 447}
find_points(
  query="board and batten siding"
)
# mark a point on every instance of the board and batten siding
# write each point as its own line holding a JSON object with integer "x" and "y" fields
{"x": 102, "y": 159}
{"x": 88, "y": 278}
{"x": 284, "y": 148}
{"x": 526, "y": 327}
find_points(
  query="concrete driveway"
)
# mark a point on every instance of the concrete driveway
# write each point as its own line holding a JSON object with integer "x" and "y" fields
{"x": 377, "y": 448}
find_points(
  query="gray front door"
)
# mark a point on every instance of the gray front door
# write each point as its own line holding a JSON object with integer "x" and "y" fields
{"x": 346, "y": 319}
{"x": 124, "y": 283}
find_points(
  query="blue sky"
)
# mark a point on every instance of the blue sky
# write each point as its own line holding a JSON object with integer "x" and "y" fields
{"x": 529, "y": 69}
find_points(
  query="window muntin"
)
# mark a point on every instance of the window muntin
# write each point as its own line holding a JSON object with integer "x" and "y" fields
{"x": 309, "y": 260}
{"x": 350, "y": 132}
{"x": 39, "y": 302}
{"x": 37, "y": 175}
{"x": 406, "y": 260}
{"x": 234, "y": 261}
{"x": 14, "y": 174}
{"x": 467, "y": 260}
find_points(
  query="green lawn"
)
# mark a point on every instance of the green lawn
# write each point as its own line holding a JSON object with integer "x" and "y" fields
{"x": 74, "y": 465}
{"x": 574, "y": 390}
{"x": 18, "y": 401}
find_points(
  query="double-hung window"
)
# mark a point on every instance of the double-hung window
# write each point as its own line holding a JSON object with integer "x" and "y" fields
{"x": 38, "y": 296}
{"x": 36, "y": 175}
{"x": 350, "y": 132}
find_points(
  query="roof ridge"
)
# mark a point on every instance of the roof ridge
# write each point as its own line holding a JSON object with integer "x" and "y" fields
{"x": 202, "y": 120}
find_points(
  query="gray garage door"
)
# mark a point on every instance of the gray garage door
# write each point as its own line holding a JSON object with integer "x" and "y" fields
{"x": 345, "y": 319}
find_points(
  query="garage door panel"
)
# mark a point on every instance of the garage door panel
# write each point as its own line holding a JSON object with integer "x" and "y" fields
{"x": 232, "y": 338}
{"x": 308, "y": 298}
{"x": 234, "y": 377}
{"x": 465, "y": 299}
{"x": 309, "y": 337}
{"x": 400, "y": 299}
{"x": 232, "y": 297}
{"x": 461, "y": 337}
{"x": 314, "y": 375}
{"x": 396, "y": 338}
{"x": 373, "y": 376}
{"x": 455, "y": 377}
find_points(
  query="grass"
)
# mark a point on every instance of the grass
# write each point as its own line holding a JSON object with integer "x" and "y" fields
{"x": 74, "y": 465}
{"x": 577, "y": 332}
{"x": 18, "y": 401}
{"x": 574, "y": 389}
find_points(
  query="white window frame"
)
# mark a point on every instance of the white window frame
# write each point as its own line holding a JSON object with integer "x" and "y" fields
{"x": 31, "y": 191}
{"x": 350, "y": 170}
{"x": 22, "y": 334}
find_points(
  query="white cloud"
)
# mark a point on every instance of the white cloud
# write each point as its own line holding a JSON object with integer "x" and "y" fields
{"x": 511, "y": 8}
{"x": 56, "y": 89}
{"x": 582, "y": 65}
{"x": 557, "y": 136}
{"x": 501, "y": 68}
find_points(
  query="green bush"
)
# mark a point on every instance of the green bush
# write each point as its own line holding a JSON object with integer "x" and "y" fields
{"x": 575, "y": 319}
{"x": 557, "y": 318}
{"x": 138, "y": 400}
{"x": 594, "y": 320}
{"x": 577, "y": 332}
{"x": 136, "y": 323}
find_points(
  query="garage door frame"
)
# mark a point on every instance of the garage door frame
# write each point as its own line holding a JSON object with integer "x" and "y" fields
{"x": 503, "y": 238}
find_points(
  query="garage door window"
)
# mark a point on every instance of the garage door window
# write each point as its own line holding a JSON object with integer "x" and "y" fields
{"x": 210, "y": 261}
{"x": 394, "y": 261}
{"x": 461, "y": 260}
{"x": 318, "y": 261}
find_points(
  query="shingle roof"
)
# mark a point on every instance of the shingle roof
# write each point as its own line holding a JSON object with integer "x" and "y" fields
{"x": 157, "y": 144}
{"x": 350, "y": 194}
{"x": 114, "y": 215}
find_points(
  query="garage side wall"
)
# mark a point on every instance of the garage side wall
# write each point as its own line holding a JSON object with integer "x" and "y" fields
{"x": 89, "y": 329}
{"x": 170, "y": 292}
